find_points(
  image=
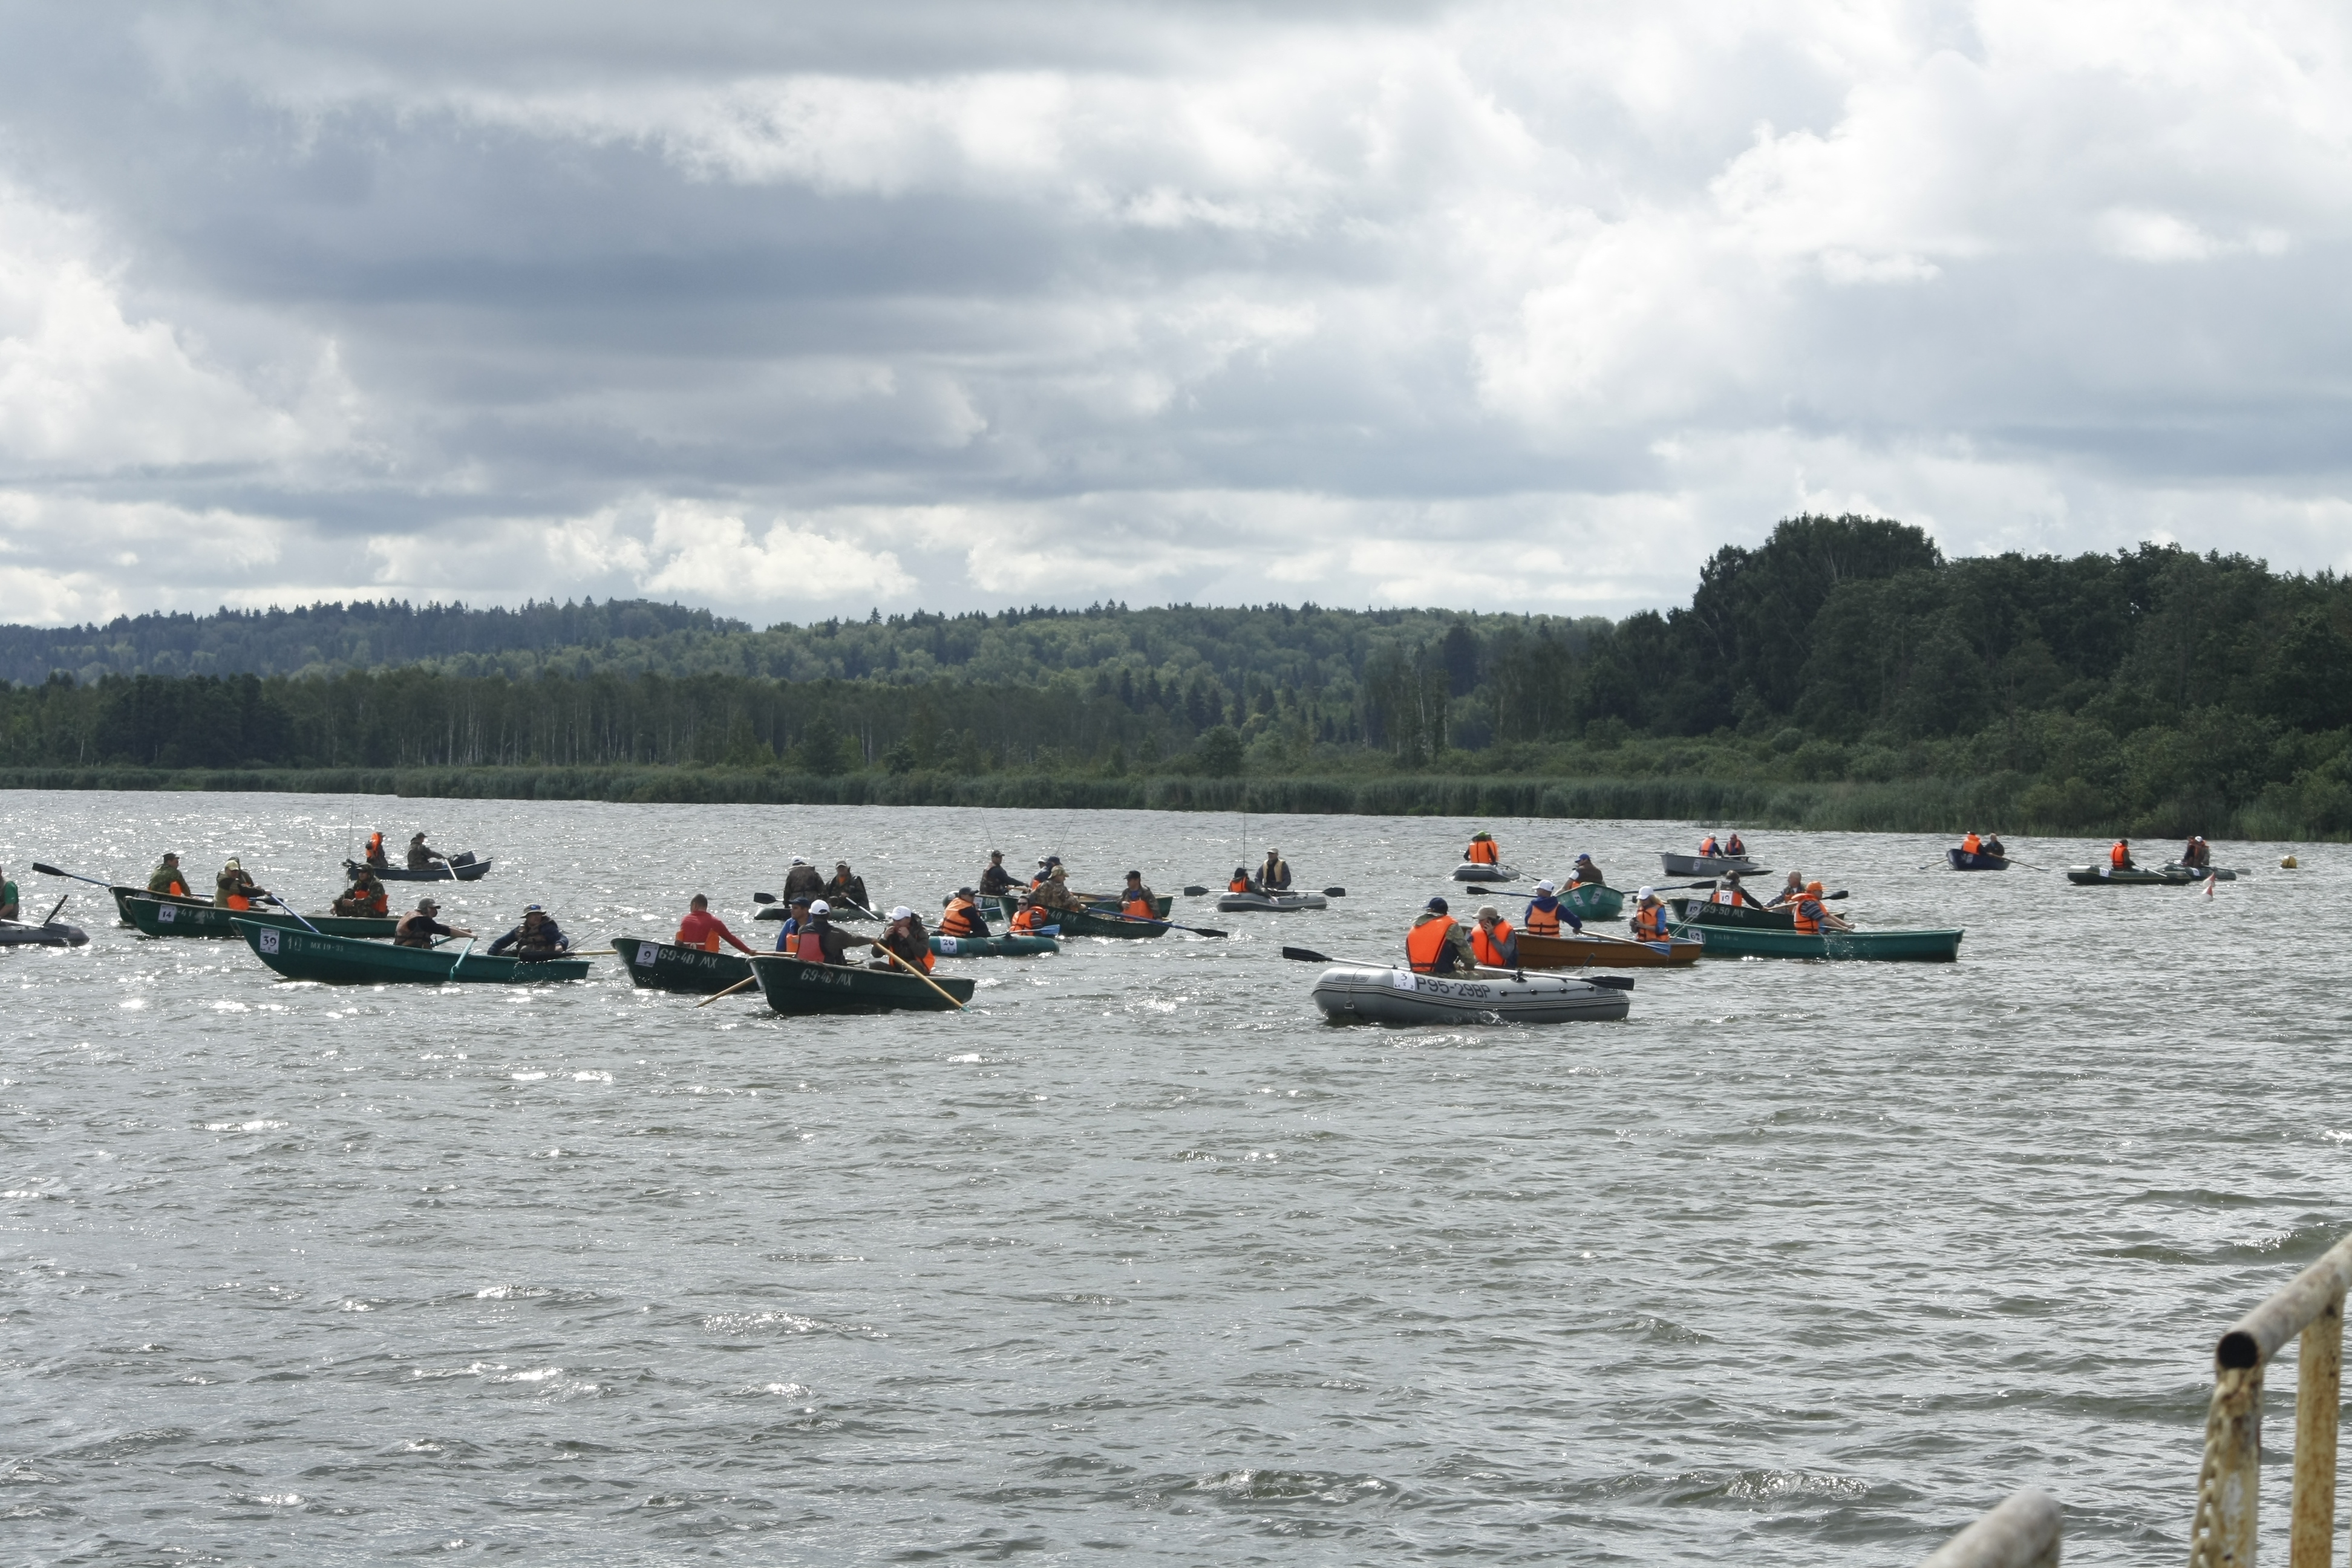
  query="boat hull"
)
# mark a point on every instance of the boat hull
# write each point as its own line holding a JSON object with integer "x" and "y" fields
{"x": 169, "y": 916}
{"x": 56, "y": 934}
{"x": 1963, "y": 861}
{"x": 1003, "y": 906}
{"x": 1709, "y": 866}
{"x": 1582, "y": 951}
{"x": 123, "y": 896}
{"x": 1593, "y": 900}
{"x": 1088, "y": 922}
{"x": 2138, "y": 877}
{"x": 349, "y": 961}
{"x": 1346, "y": 994}
{"x": 1471, "y": 871}
{"x": 993, "y": 946}
{"x": 2199, "y": 873}
{"x": 691, "y": 971}
{"x": 1702, "y": 911}
{"x": 794, "y": 988}
{"x": 1272, "y": 903}
{"x": 439, "y": 871}
{"x": 1878, "y": 946}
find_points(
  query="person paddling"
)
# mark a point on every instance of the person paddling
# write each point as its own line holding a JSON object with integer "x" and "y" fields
{"x": 536, "y": 939}
{"x": 802, "y": 882}
{"x": 996, "y": 881}
{"x": 962, "y": 917}
{"x": 1813, "y": 916}
{"x": 421, "y": 925}
{"x": 232, "y": 890}
{"x": 847, "y": 889}
{"x": 1732, "y": 894}
{"x": 2198, "y": 853}
{"x": 1273, "y": 877}
{"x": 905, "y": 937}
{"x": 421, "y": 856}
{"x": 1137, "y": 901}
{"x": 166, "y": 881}
{"x": 1492, "y": 941}
{"x": 704, "y": 929}
{"x": 1545, "y": 911}
{"x": 1793, "y": 887}
{"x": 1437, "y": 945}
{"x": 1734, "y": 849}
{"x": 1483, "y": 850}
{"x": 818, "y": 941}
{"x": 8, "y": 897}
{"x": 1992, "y": 846}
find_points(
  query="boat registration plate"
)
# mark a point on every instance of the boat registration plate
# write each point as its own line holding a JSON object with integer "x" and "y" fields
{"x": 269, "y": 941}
{"x": 947, "y": 946}
{"x": 646, "y": 955}
{"x": 167, "y": 914}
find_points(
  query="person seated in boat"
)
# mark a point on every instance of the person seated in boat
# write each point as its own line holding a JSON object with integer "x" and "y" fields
{"x": 1046, "y": 867}
{"x": 1032, "y": 918}
{"x": 232, "y": 890}
{"x": 1055, "y": 894}
{"x": 1972, "y": 845}
{"x": 905, "y": 937}
{"x": 1992, "y": 846}
{"x": 373, "y": 853}
{"x": 165, "y": 882}
{"x": 704, "y": 929}
{"x": 1792, "y": 888}
{"x": 1545, "y": 913}
{"x": 2198, "y": 853}
{"x": 1241, "y": 882}
{"x": 996, "y": 881}
{"x": 364, "y": 899}
{"x": 1492, "y": 941}
{"x": 1136, "y": 901}
{"x": 1273, "y": 877}
{"x": 793, "y": 920}
{"x": 421, "y": 925}
{"x": 1437, "y": 944}
{"x": 1584, "y": 871}
{"x": 8, "y": 897}
{"x": 802, "y": 882}
{"x": 2119, "y": 856}
{"x": 962, "y": 917}
{"x": 536, "y": 939}
{"x": 1729, "y": 892}
{"x": 421, "y": 856}
{"x": 1708, "y": 849}
{"x": 1483, "y": 850}
{"x": 1733, "y": 849}
{"x": 847, "y": 889}
{"x": 817, "y": 941}
{"x": 1813, "y": 915}
{"x": 1649, "y": 921}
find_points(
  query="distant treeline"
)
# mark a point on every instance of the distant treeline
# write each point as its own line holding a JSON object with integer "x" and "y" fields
{"x": 2154, "y": 690}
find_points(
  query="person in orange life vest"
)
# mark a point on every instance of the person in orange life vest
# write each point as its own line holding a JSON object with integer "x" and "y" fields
{"x": 1545, "y": 911}
{"x": 232, "y": 890}
{"x": 1972, "y": 845}
{"x": 962, "y": 916}
{"x": 818, "y": 941}
{"x": 1813, "y": 916}
{"x": 2198, "y": 853}
{"x": 1710, "y": 849}
{"x": 704, "y": 929}
{"x": 1045, "y": 870}
{"x": 374, "y": 856}
{"x": 1492, "y": 941}
{"x": 1649, "y": 921}
{"x": 418, "y": 929}
{"x": 365, "y": 898}
{"x": 1137, "y": 901}
{"x": 1032, "y": 918}
{"x": 1734, "y": 848}
{"x": 792, "y": 923}
{"x": 1241, "y": 882}
{"x": 1730, "y": 892}
{"x": 2119, "y": 857}
{"x": 1586, "y": 871}
{"x": 905, "y": 937}
{"x": 1273, "y": 877}
{"x": 1437, "y": 944}
{"x": 167, "y": 881}
{"x": 1483, "y": 850}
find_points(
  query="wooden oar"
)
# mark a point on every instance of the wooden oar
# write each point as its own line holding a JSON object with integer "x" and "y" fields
{"x": 730, "y": 990}
{"x": 916, "y": 973}
{"x": 297, "y": 914}
{"x": 53, "y": 871}
{"x": 1309, "y": 955}
{"x": 461, "y": 959}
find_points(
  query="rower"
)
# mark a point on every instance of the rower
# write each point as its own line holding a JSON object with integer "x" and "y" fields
{"x": 373, "y": 854}
{"x": 962, "y": 916}
{"x": 793, "y": 924}
{"x": 2119, "y": 857}
{"x": 8, "y": 897}
{"x": 1492, "y": 941}
{"x": 2198, "y": 855}
{"x": 421, "y": 856}
{"x": 802, "y": 882}
{"x": 818, "y": 941}
{"x": 1436, "y": 944}
{"x": 996, "y": 880}
{"x": 1730, "y": 893}
{"x": 704, "y": 929}
{"x": 1734, "y": 849}
{"x": 232, "y": 890}
{"x": 421, "y": 925}
{"x": 1483, "y": 850}
{"x": 1585, "y": 872}
{"x": 365, "y": 898}
{"x": 1136, "y": 901}
{"x": 1972, "y": 845}
{"x": 1992, "y": 846}
{"x": 1273, "y": 877}
{"x": 1055, "y": 893}
{"x": 536, "y": 939}
{"x": 905, "y": 937}
{"x": 1813, "y": 916}
{"x": 166, "y": 881}
{"x": 1545, "y": 911}
{"x": 847, "y": 889}
{"x": 1649, "y": 921}
{"x": 1241, "y": 882}
{"x": 1793, "y": 887}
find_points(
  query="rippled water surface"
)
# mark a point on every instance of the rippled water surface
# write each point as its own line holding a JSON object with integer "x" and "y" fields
{"x": 1801, "y": 1264}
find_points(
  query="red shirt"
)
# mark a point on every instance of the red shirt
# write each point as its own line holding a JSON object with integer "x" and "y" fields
{"x": 696, "y": 930}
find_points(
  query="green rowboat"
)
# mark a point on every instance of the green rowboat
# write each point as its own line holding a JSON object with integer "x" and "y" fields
{"x": 123, "y": 896}
{"x": 169, "y": 916}
{"x": 993, "y": 946}
{"x": 1593, "y": 900}
{"x": 347, "y": 960}
{"x": 1106, "y": 922}
{"x": 1885, "y": 946}
{"x": 794, "y": 988}
{"x": 666, "y": 966}
{"x": 1705, "y": 912}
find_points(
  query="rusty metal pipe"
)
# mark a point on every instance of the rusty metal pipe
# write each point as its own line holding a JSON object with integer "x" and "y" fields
{"x": 2257, "y": 1336}
{"x": 2320, "y": 1369}
{"x": 2021, "y": 1531}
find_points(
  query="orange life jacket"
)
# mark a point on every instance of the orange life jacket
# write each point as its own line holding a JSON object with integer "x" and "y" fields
{"x": 239, "y": 901}
{"x": 2119, "y": 856}
{"x": 1724, "y": 896}
{"x": 1808, "y": 923}
{"x": 176, "y": 888}
{"x": 1037, "y": 882}
{"x": 1483, "y": 852}
{"x": 1650, "y": 924}
{"x": 1031, "y": 918}
{"x": 808, "y": 946}
{"x": 1490, "y": 952}
{"x": 1542, "y": 922}
{"x": 1709, "y": 848}
{"x": 377, "y": 903}
{"x": 1735, "y": 848}
{"x": 1238, "y": 885}
{"x": 1137, "y": 907}
{"x": 958, "y": 920}
{"x": 1971, "y": 845}
{"x": 1425, "y": 944}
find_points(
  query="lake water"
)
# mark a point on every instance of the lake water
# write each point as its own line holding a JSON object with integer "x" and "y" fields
{"x": 1138, "y": 1260}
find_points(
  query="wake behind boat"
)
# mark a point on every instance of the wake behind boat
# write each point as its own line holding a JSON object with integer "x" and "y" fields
{"x": 1353, "y": 994}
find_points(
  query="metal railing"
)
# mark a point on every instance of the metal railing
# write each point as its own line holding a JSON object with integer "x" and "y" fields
{"x": 2229, "y": 1484}
{"x": 2022, "y": 1531}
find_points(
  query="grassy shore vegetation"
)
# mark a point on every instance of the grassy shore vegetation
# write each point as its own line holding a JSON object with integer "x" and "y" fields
{"x": 1841, "y": 674}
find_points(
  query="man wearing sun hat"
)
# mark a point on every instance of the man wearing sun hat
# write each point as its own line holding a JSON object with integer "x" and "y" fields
{"x": 536, "y": 939}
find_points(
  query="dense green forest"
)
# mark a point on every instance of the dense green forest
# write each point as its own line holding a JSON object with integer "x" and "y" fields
{"x": 1843, "y": 660}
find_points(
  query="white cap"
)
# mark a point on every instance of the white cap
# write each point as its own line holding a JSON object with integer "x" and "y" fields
{"x": 799, "y": 860}
{"x": 1545, "y": 887}
{"x": 902, "y": 912}
{"x": 1647, "y": 893}
{"x": 820, "y": 908}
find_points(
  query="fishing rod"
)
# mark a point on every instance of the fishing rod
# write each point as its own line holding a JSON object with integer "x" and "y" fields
{"x": 1309, "y": 955}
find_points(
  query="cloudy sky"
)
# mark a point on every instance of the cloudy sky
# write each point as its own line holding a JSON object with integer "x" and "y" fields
{"x": 791, "y": 310}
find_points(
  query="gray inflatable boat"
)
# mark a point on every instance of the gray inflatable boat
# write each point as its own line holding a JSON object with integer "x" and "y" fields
{"x": 1351, "y": 993}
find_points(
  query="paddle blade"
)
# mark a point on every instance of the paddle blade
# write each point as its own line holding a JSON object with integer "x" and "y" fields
{"x": 49, "y": 870}
{"x": 1200, "y": 931}
{"x": 1610, "y": 982}
{"x": 1304, "y": 955}
{"x": 1482, "y": 892}
{"x": 1194, "y": 890}
{"x": 763, "y": 897}
{"x": 1334, "y": 892}
{"x": 1839, "y": 894}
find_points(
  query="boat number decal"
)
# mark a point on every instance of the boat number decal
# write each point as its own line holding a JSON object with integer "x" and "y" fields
{"x": 1406, "y": 980}
{"x": 946, "y": 945}
{"x": 646, "y": 955}
{"x": 167, "y": 914}
{"x": 269, "y": 941}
